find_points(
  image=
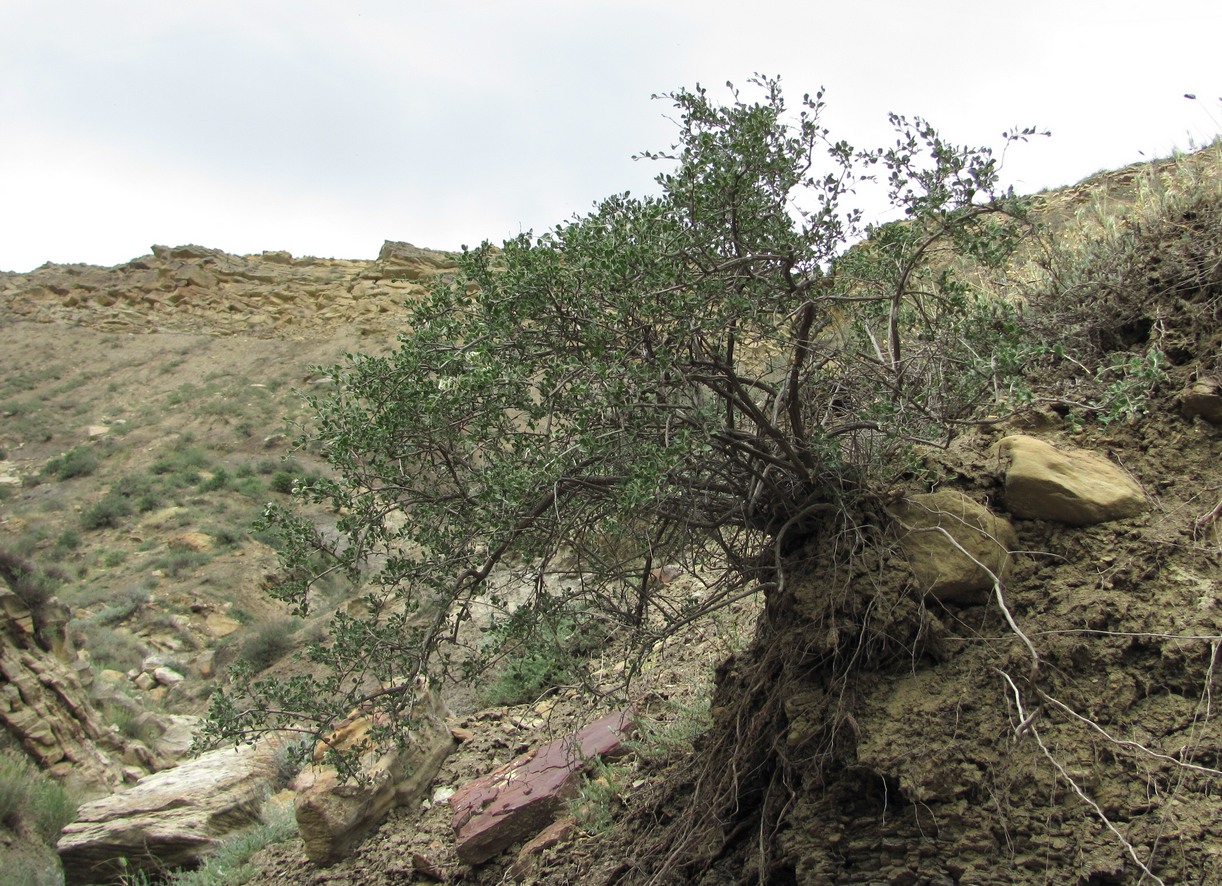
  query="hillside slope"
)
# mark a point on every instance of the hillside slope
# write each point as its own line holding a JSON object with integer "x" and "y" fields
{"x": 866, "y": 732}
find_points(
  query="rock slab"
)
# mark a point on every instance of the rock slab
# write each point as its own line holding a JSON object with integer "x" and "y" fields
{"x": 517, "y": 800}
{"x": 1074, "y": 487}
{"x": 955, "y": 546}
{"x": 170, "y": 819}
{"x": 334, "y": 815}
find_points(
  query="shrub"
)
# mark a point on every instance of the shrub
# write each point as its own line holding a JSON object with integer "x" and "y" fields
{"x": 125, "y": 604}
{"x": 107, "y": 513}
{"x": 598, "y": 798}
{"x": 30, "y": 866}
{"x": 282, "y": 482}
{"x": 109, "y": 648}
{"x": 140, "y": 490}
{"x": 227, "y": 536}
{"x": 219, "y": 480}
{"x": 697, "y": 377}
{"x": 81, "y": 461}
{"x": 183, "y": 462}
{"x": 30, "y": 802}
{"x": 111, "y": 559}
{"x": 69, "y": 540}
{"x": 250, "y": 486}
{"x": 270, "y": 643}
{"x": 535, "y": 653}
{"x": 31, "y": 585}
{"x": 175, "y": 563}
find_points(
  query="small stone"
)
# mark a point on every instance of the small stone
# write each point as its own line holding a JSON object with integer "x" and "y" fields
{"x": 559, "y": 831}
{"x": 167, "y": 676}
{"x": 442, "y": 794}
{"x": 426, "y": 867}
{"x": 1068, "y": 486}
{"x": 955, "y": 546}
{"x": 1204, "y": 400}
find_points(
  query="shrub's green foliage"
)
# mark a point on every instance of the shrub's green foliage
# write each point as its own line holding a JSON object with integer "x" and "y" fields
{"x": 80, "y": 461}
{"x": 268, "y": 645}
{"x": 693, "y": 377}
{"x": 537, "y": 649}
{"x": 106, "y": 513}
{"x": 31, "y": 802}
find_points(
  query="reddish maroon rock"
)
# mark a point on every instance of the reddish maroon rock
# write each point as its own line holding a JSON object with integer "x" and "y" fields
{"x": 517, "y": 800}
{"x": 560, "y": 831}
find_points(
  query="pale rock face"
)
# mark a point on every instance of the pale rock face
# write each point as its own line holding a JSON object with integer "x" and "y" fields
{"x": 170, "y": 819}
{"x": 1074, "y": 487}
{"x": 955, "y": 547}
{"x": 197, "y": 289}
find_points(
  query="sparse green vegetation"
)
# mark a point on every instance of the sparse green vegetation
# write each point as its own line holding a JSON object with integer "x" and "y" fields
{"x": 177, "y": 562}
{"x": 32, "y": 586}
{"x": 251, "y": 486}
{"x": 671, "y": 736}
{"x": 535, "y": 653}
{"x": 226, "y": 536}
{"x": 112, "y": 559}
{"x": 117, "y": 650}
{"x": 141, "y": 491}
{"x": 598, "y": 798}
{"x": 269, "y": 643}
{"x": 184, "y": 463}
{"x": 229, "y": 864}
{"x": 69, "y": 540}
{"x": 30, "y": 866}
{"x": 30, "y": 802}
{"x": 218, "y": 480}
{"x": 107, "y": 513}
{"x": 121, "y": 608}
{"x": 80, "y": 461}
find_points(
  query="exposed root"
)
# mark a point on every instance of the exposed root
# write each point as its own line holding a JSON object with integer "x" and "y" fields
{"x": 1027, "y": 721}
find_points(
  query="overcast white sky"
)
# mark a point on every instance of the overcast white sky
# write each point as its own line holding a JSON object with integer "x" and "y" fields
{"x": 325, "y": 128}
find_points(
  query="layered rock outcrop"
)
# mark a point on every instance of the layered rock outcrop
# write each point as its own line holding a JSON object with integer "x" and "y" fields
{"x": 47, "y": 711}
{"x": 197, "y": 289}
